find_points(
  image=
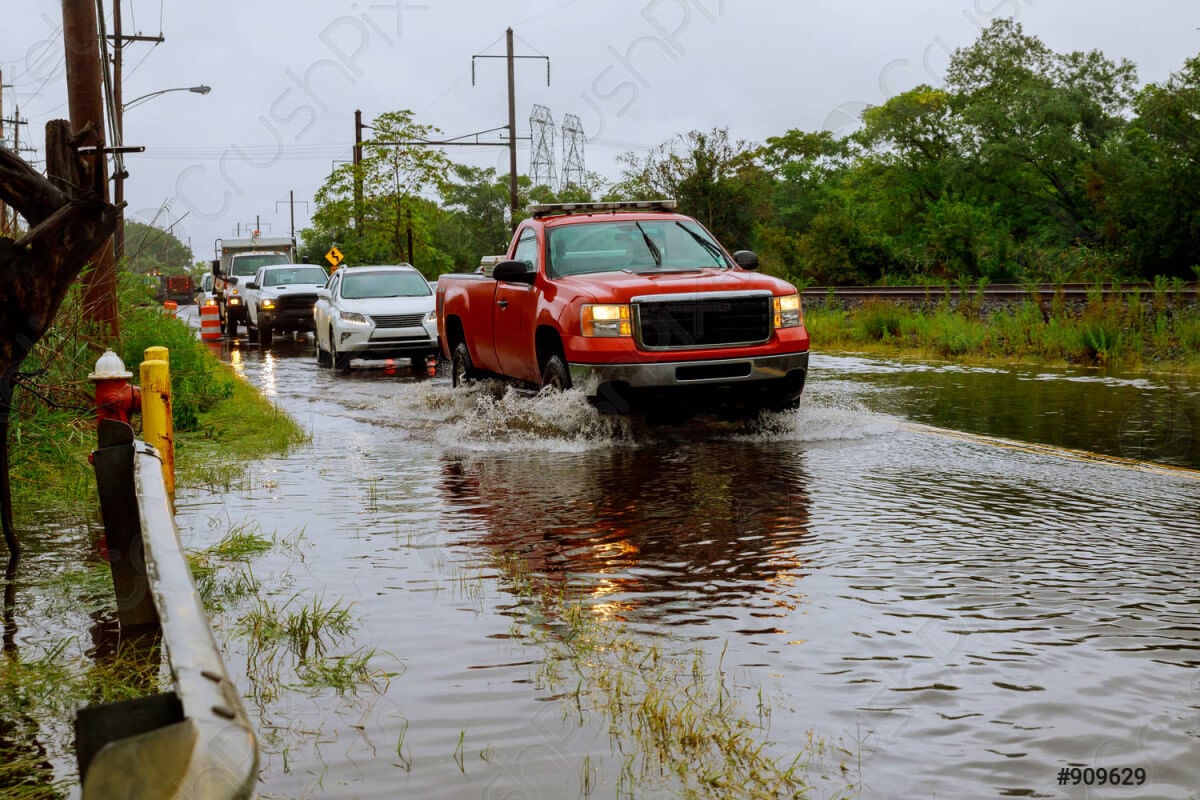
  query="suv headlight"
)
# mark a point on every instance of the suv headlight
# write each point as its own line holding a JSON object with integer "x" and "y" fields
{"x": 787, "y": 311}
{"x": 431, "y": 317}
{"x": 606, "y": 320}
{"x": 352, "y": 319}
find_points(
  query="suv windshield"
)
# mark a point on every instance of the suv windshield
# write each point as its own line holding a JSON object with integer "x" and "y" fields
{"x": 661, "y": 245}
{"x": 248, "y": 265}
{"x": 286, "y": 277}
{"x": 384, "y": 284}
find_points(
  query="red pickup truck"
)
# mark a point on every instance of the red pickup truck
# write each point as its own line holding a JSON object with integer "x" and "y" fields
{"x": 636, "y": 305}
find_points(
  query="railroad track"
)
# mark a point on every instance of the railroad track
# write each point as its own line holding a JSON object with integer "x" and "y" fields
{"x": 999, "y": 291}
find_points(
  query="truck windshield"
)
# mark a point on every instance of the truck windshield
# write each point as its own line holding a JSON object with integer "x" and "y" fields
{"x": 286, "y": 277}
{"x": 249, "y": 264}
{"x": 642, "y": 246}
{"x": 384, "y": 284}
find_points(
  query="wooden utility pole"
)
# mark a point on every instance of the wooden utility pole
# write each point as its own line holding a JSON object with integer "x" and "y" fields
{"x": 119, "y": 126}
{"x": 358, "y": 178}
{"x": 119, "y": 40}
{"x": 3, "y": 206}
{"x": 81, "y": 37}
{"x": 512, "y": 127}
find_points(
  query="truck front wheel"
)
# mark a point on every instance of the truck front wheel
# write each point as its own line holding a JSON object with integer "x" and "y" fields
{"x": 461, "y": 369}
{"x": 555, "y": 374}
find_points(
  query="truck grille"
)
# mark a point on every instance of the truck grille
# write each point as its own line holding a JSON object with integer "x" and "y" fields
{"x": 295, "y": 302}
{"x": 703, "y": 323}
{"x": 397, "y": 320}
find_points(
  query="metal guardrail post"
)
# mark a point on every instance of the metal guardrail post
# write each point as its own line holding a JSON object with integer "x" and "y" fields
{"x": 195, "y": 742}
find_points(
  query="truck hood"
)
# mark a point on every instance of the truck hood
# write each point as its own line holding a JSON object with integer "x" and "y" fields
{"x": 620, "y": 287}
{"x": 291, "y": 288}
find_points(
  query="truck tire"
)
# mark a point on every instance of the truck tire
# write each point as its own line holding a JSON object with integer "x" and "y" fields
{"x": 555, "y": 375}
{"x": 225, "y": 325}
{"x": 264, "y": 336}
{"x": 461, "y": 369}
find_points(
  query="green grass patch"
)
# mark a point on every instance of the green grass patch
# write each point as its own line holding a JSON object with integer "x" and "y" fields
{"x": 1128, "y": 332}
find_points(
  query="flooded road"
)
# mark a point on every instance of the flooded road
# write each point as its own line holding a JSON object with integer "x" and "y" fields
{"x": 908, "y": 610}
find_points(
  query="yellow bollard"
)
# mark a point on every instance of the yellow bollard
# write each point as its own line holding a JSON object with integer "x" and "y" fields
{"x": 157, "y": 427}
{"x": 157, "y": 353}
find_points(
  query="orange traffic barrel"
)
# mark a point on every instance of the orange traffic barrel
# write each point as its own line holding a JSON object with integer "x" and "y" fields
{"x": 170, "y": 307}
{"x": 210, "y": 322}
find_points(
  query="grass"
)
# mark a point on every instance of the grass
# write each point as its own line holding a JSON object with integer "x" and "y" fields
{"x": 221, "y": 424}
{"x": 1126, "y": 332}
{"x": 675, "y": 719}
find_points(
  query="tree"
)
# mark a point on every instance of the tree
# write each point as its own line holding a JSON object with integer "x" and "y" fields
{"x": 1033, "y": 127}
{"x": 393, "y": 171}
{"x": 149, "y": 249}
{"x": 713, "y": 178}
{"x": 1154, "y": 208}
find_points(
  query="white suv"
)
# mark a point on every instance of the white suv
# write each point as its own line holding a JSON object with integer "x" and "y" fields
{"x": 375, "y": 312}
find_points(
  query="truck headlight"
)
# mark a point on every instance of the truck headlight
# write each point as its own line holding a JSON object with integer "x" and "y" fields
{"x": 267, "y": 305}
{"x": 235, "y": 301}
{"x": 431, "y": 317}
{"x": 787, "y": 311}
{"x": 606, "y": 320}
{"x": 352, "y": 319}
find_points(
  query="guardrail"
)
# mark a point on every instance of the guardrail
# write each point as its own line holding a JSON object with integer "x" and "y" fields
{"x": 194, "y": 742}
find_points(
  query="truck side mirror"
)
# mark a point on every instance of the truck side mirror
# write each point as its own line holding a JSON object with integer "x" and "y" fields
{"x": 216, "y": 267}
{"x": 513, "y": 272}
{"x": 251, "y": 285}
{"x": 746, "y": 259}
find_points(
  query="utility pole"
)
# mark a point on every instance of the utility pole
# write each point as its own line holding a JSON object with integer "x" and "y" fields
{"x": 119, "y": 40}
{"x": 512, "y": 127}
{"x": 512, "y": 113}
{"x": 358, "y": 182}
{"x": 3, "y": 207}
{"x": 291, "y": 201}
{"x": 81, "y": 39}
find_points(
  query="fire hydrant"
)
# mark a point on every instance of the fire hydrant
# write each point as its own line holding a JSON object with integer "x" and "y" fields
{"x": 116, "y": 397}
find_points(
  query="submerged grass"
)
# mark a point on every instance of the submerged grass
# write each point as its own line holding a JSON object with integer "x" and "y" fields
{"x": 673, "y": 717}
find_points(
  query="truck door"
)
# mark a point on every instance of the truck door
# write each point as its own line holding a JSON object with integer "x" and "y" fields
{"x": 516, "y": 305}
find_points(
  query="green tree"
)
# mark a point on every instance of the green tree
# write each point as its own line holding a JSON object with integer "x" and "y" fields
{"x": 1033, "y": 126}
{"x": 712, "y": 177}
{"x": 393, "y": 173}
{"x": 149, "y": 249}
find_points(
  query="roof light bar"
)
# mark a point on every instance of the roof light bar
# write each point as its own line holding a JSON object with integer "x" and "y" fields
{"x": 537, "y": 210}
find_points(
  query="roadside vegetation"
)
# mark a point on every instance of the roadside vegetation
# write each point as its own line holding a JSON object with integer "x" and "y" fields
{"x": 60, "y": 645}
{"x": 1159, "y": 329}
{"x": 220, "y": 420}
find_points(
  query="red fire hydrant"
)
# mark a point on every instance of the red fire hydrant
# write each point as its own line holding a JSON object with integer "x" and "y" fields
{"x": 116, "y": 397}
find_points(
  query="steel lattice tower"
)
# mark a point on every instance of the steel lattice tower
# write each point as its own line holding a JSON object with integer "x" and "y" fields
{"x": 574, "y": 173}
{"x": 541, "y": 154}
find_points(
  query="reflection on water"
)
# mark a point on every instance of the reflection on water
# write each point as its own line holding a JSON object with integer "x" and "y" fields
{"x": 1144, "y": 417}
{"x": 662, "y": 533}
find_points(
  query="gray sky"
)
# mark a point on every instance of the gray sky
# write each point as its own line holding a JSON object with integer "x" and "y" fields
{"x": 287, "y": 77}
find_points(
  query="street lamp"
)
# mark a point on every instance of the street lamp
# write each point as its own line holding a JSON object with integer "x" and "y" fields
{"x": 135, "y": 101}
{"x": 119, "y": 177}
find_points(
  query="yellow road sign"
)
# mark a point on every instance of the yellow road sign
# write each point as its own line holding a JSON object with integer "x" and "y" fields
{"x": 334, "y": 257}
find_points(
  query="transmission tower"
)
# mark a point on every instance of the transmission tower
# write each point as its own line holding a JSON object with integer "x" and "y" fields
{"x": 541, "y": 158}
{"x": 574, "y": 173}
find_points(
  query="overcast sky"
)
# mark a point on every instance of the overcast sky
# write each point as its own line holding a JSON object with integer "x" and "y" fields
{"x": 286, "y": 78}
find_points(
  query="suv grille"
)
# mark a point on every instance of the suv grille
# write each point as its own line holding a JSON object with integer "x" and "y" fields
{"x": 397, "y": 320}
{"x": 703, "y": 323}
